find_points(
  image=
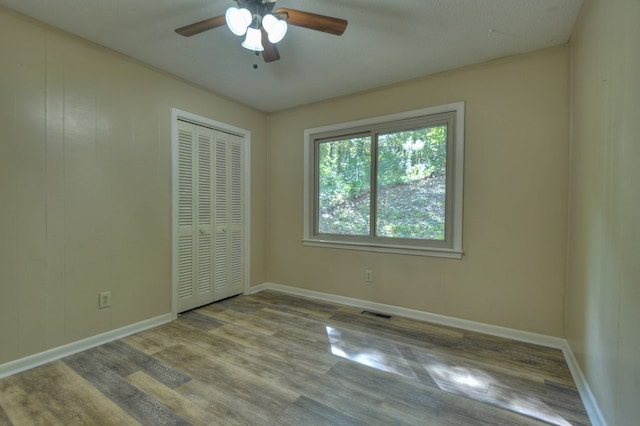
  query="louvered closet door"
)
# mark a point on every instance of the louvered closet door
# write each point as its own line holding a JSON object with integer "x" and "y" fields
{"x": 194, "y": 222}
{"x": 204, "y": 237}
{"x": 228, "y": 214}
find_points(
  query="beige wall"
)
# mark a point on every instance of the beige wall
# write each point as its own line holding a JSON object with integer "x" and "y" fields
{"x": 515, "y": 201}
{"x": 85, "y": 186}
{"x": 85, "y": 194}
{"x": 603, "y": 299}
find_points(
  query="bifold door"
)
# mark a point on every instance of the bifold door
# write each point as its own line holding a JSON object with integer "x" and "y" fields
{"x": 208, "y": 190}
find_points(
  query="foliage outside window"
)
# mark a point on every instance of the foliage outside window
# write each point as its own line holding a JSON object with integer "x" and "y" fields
{"x": 387, "y": 184}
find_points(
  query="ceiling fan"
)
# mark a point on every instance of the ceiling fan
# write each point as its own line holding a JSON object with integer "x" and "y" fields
{"x": 263, "y": 26}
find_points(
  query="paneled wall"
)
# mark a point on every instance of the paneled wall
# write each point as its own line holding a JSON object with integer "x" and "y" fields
{"x": 85, "y": 186}
{"x": 603, "y": 297}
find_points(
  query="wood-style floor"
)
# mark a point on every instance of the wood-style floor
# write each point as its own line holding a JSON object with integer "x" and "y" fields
{"x": 272, "y": 358}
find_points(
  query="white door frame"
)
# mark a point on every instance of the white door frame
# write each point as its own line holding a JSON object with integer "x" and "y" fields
{"x": 177, "y": 114}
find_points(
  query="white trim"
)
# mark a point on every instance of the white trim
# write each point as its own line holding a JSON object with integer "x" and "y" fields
{"x": 587, "y": 396}
{"x": 458, "y": 176}
{"x": 413, "y": 251}
{"x": 588, "y": 399}
{"x": 54, "y": 354}
{"x": 405, "y": 115}
{"x": 455, "y": 251}
{"x": 493, "y": 330}
{"x": 207, "y": 122}
{"x": 178, "y": 114}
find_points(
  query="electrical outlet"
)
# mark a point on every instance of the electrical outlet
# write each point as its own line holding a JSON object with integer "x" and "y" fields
{"x": 104, "y": 300}
{"x": 368, "y": 275}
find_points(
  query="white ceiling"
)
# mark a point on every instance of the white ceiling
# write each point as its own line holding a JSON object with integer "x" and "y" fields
{"x": 385, "y": 41}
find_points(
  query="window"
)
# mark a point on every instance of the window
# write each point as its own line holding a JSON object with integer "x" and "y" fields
{"x": 390, "y": 183}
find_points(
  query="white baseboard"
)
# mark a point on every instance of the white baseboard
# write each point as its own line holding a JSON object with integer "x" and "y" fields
{"x": 588, "y": 399}
{"x": 587, "y": 396}
{"x": 40, "y": 358}
{"x": 493, "y": 330}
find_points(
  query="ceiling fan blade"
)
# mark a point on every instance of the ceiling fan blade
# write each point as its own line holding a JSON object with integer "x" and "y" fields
{"x": 313, "y": 21}
{"x": 270, "y": 52}
{"x": 202, "y": 26}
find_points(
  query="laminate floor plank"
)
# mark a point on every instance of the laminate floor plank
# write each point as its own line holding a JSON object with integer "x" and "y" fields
{"x": 227, "y": 407}
{"x": 405, "y": 414}
{"x": 149, "y": 341}
{"x": 275, "y": 359}
{"x": 420, "y": 401}
{"x": 305, "y": 411}
{"x": 267, "y": 368}
{"x": 490, "y": 360}
{"x": 448, "y": 370}
{"x": 139, "y": 361}
{"x": 180, "y": 333}
{"x": 230, "y": 377}
{"x": 53, "y": 394}
{"x": 543, "y": 362}
{"x": 313, "y": 328}
{"x": 167, "y": 335}
{"x": 350, "y": 398}
{"x": 138, "y": 404}
{"x": 566, "y": 401}
{"x": 503, "y": 351}
{"x": 422, "y": 327}
{"x": 306, "y": 331}
{"x": 430, "y": 359}
{"x": 239, "y": 318}
{"x": 283, "y": 348}
{"x": 387, "y": 329}
{"x": 387, "y": 385}
{"x": 298, "y": 305}
{"x": 200, "y": 321}
{"x": 4, "y": 418}
{"x": 193, "y": 412}
{"x": 243, "y": 304}
{"x": 296, "y": 373}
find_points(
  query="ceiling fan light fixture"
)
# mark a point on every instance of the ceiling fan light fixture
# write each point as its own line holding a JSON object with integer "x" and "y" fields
{"x": 267, "y": 21}
{"x": 238, "y": 20}
{"x": 253, "y": 41}
{"x": 277, "y": 31}
{"x": 262, "y": 26}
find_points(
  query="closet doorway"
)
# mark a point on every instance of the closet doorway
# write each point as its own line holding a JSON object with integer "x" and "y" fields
{"x": 210, "y": 211}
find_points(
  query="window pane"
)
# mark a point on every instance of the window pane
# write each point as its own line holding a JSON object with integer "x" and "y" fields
{"x": 411, "y": 184}
{"x": 344, "y": 177}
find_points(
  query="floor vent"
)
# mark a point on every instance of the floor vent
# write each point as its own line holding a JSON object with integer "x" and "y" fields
{"x": 376, "y": 314}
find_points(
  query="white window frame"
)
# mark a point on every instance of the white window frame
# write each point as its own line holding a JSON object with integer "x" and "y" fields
{"x": 455, "y": 159}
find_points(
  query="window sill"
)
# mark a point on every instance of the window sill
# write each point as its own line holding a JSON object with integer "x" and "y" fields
{"x": 413, "y": 251}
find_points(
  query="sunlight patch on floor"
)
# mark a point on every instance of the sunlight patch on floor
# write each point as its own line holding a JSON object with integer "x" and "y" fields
{"x": 480, "y": 386}
{"x": 353, "y": 346}
{"x": 472, "y": 383}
